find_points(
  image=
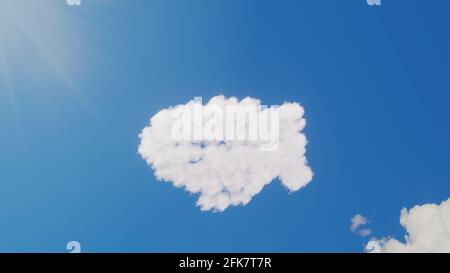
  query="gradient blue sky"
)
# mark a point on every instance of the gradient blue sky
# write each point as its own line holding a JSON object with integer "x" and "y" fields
{"x": 77, "y": 84}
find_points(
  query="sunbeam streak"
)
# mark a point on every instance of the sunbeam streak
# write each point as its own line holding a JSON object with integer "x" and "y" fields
{"x": 40, "y": 30}
{"x": 6, "y": 83}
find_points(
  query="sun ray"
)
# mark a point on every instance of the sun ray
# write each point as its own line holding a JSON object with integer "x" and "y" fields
{"x": 5, "y": 75}
{"x": 61, "y": 71}
{"x": 40, "y": 22}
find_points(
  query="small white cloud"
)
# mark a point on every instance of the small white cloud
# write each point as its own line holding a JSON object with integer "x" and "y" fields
{"x": 227, "y": 172}
{"x": 356, "y": 222}
{"x": 364, "y": 232}
{"x": 427, "y": 230}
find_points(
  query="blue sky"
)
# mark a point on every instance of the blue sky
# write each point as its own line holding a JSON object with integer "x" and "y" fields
{"x": 77, "y": 87}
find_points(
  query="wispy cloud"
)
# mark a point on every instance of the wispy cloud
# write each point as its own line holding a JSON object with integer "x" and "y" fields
{"x": 358, "y": 221}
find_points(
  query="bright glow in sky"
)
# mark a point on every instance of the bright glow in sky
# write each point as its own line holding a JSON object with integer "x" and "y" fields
{"x": 373, "y": 82}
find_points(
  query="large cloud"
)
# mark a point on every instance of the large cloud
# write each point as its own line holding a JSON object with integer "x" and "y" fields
{"x": 227, "y": 172}
{"x": 427, "y": 230}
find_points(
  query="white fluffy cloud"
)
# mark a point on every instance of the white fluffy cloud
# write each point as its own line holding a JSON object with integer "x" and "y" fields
{"x": 427, "y": 230}
{"x": 227, "y": 172}
{"x": 356, "y": 222}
